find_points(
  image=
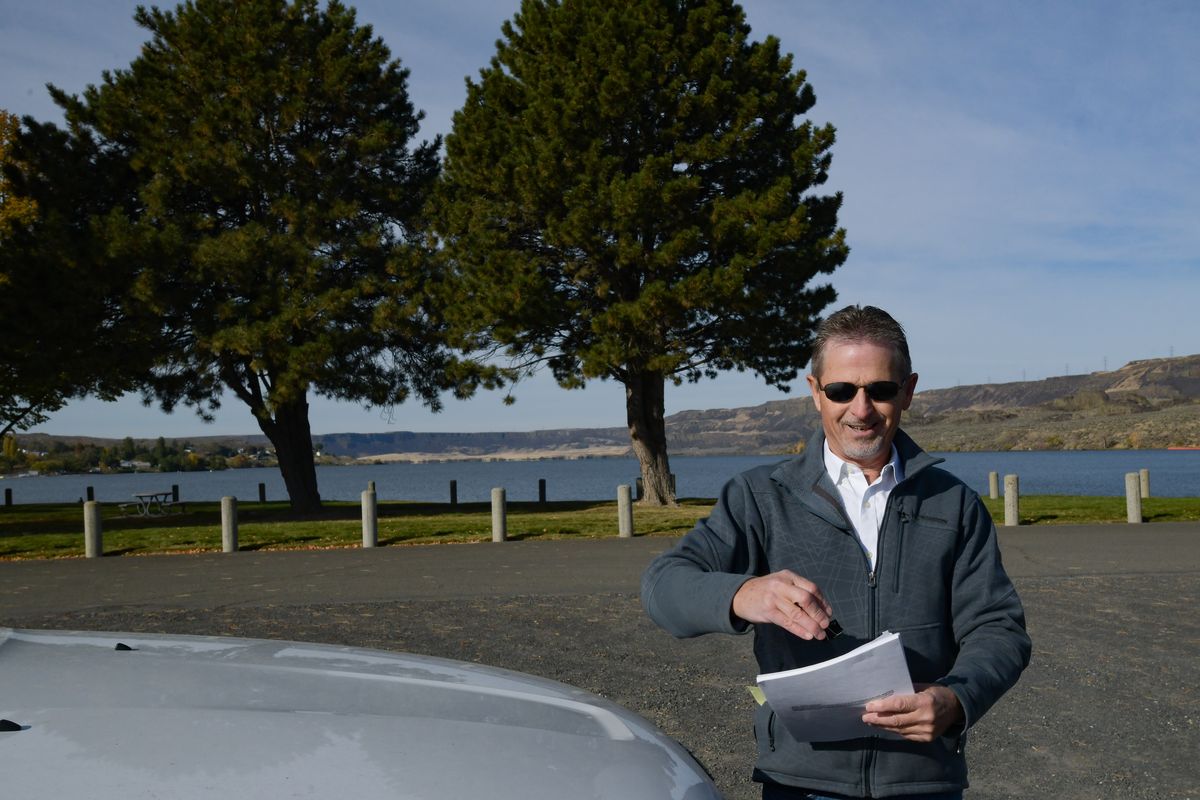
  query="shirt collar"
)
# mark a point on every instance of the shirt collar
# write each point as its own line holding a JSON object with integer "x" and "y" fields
{"x": 837, "y": 468}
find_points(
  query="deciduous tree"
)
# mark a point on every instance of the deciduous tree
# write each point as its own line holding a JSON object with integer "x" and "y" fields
{"x": 627, "y": 195}
{"x": 276, "y": 197}
{"x": 62, "y": 332}
{"x": 16, "y": 211}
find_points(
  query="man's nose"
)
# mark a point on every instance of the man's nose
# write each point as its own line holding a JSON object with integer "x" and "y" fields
{"x": 861, "y": 406}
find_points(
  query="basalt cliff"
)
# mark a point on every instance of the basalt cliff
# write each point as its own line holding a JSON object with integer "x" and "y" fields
{"x": 1145, "y": 404}
{"x": 1153, "y": 403}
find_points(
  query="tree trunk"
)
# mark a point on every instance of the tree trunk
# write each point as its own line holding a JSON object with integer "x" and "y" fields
{"x": 648, "y": 432}
{"x": 291, "y": 434}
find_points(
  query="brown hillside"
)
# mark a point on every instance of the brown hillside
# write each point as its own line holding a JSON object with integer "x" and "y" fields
{"x": 1145, "y": 404}
{"x": 1156, "y": 381}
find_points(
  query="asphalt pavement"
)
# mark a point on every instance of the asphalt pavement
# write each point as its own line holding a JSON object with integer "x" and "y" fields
{"x": 1109, "y": 708}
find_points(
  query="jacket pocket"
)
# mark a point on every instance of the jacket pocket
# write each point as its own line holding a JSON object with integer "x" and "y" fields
{"x": 923, "y": 546}
{"x": 764, "y": 728}
{"x": 928, "y": 648}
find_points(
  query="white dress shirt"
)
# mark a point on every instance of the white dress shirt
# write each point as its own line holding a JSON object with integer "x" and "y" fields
{"x": 863, "y": 503}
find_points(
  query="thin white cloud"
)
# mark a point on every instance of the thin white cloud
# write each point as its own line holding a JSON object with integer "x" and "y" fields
{"x": 1019, "y": 178}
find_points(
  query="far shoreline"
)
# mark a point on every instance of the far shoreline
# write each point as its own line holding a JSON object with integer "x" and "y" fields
{"x": 566, "y": 454}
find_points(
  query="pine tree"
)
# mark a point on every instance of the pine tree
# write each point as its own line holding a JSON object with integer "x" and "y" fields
{"x": 270, "y": 225}
{"x": 627, "y": 196}
{"x": 62, "y": 335}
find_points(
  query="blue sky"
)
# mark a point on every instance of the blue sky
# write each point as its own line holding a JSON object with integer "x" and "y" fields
{"x": 1021, "y": 183}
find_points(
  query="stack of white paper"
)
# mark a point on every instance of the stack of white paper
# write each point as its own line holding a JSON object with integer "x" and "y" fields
{"x": 825, "y": 702}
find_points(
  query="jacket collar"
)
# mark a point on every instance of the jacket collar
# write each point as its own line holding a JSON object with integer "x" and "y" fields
{"x": 807, "y": 480}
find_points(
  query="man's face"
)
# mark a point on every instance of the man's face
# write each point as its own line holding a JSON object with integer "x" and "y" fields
{"x": 860, "y": 430}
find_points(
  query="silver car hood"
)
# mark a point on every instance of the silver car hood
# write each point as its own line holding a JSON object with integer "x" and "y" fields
{"x": 137, "y": 716}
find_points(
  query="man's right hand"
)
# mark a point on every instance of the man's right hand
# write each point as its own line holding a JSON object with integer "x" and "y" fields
{"x": 787, "y": 600}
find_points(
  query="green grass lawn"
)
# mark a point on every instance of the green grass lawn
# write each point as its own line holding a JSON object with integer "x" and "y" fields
{"x": 56, "y": 530}
{"x": 1058, "y": 509}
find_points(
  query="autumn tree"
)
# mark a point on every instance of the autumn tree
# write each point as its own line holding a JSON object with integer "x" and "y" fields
{"x": 16, "y": 214}
{"x": 62, "y": 334}
{"x": 276, "y": 200}
{"x": 16, "y": 211}
{"x": 627, "y": 195}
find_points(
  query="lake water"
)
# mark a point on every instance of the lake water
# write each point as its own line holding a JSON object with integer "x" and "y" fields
{"x": 1173, "y": 473}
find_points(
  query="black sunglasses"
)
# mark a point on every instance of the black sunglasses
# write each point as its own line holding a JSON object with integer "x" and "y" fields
{"x": 879, "y": 391}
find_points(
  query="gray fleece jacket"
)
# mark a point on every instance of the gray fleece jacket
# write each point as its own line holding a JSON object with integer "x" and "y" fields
{"x": 938, "y": 582}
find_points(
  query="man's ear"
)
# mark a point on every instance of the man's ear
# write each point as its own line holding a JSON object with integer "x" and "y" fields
{"x": 814, "y": 386}
{"x": 910, "y": 386}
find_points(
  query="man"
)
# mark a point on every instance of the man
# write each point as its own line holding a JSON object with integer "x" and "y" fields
{"x": 864, "y": 529}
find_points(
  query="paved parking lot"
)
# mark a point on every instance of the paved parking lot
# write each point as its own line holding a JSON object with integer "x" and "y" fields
{"x": 1109, "y": 707}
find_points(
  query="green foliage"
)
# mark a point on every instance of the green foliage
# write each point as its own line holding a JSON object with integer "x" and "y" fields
{"x": 627, "y": 191}
{"x": 161, "y": 456}
{"x": 16, "y": 211}
{"x": 627, "y": 196}
{"x": 269, "y": 141}
{"x": 63, "y": 333}
{"x": 273, "y": 198}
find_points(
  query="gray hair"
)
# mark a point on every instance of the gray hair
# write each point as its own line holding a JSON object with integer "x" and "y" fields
{"x": 862, "y": 324}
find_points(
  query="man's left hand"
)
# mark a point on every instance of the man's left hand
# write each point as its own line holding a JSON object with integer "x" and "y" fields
{"x": 921, "y": 717}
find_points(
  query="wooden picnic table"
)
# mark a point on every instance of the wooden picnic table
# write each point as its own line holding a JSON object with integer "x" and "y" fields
{"x": 151, "y": 504}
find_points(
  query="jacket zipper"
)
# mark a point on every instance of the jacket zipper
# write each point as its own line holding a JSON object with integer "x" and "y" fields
{"x": 872, "y": 611}
{"x": 904, "y": 520}
{"x": 873, "y": 621}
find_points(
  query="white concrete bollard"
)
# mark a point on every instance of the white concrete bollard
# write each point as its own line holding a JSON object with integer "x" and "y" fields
{"x": 370, "y": 518}
{"x": 499, "y": 516}
{"x": 1144, "y": 481}
{"x": 229, "y": 525}
{"x": 625, "y": 511}
{"x": 1133, "y": 498}
{"x": 93, "y": 536}
{"x": 994, "y": 485}
{"x": 1012, "y": 500}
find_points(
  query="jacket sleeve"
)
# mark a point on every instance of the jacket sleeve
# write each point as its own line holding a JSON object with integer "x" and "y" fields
{"x": 988, "y": 619}
{"x": 689, "y": 589}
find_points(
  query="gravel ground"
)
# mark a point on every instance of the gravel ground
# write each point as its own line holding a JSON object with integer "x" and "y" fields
{"x": 1109, "y": 709}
